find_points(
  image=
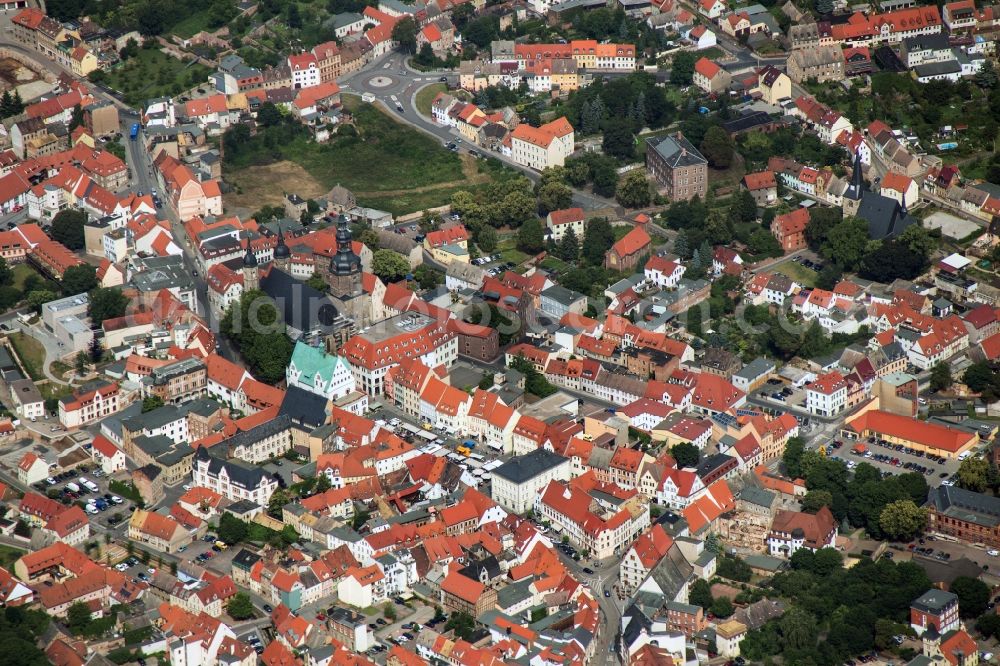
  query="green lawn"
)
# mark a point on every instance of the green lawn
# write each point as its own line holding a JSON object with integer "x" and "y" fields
{"x": 152, "y": 73}
{"x": 509, "y": 252}
{"x": 427, "y": 94}
{"x": 8, "y": 556}
{"x": 804, "y": 276}
{"x": 21, "y": 273}
{"x": 31, "y": 352}
{"x": 191, "y": 25}
{"x": 388, "y": 165}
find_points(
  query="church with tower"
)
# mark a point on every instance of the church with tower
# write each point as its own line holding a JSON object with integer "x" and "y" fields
{"x": 885, "y": 216}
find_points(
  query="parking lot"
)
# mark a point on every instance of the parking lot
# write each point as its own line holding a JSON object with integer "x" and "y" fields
{"x": 88, "y": 486}
{"x": 779, "y": 391}
{"x": 897, "y": 459}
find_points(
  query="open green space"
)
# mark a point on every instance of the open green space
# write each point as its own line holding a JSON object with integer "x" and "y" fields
{"x": 31, "y": 352}
{"x": 192, "y": 24}
{"x": 153, "y": 73}
{"x": 427, "y": 94}
{"x": 388, "y": 165}
{"x": 804, "y": 276}
{"x": 21, "y": 272}
{"x": 507, "y": 247}
{"x": 8, "y": 556}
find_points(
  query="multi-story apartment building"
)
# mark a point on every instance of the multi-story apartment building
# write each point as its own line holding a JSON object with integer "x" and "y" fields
{"x": 178, "y": 382}
{"x": 89, "y": 404}
{"x": 680, "y": 171}
{"x": 542, "y": 147}
{"x": 517, "y": 482}
{"x": 234, "y": 481}
{"x": 408, "y": 335}
{"x": 827, "y": 395}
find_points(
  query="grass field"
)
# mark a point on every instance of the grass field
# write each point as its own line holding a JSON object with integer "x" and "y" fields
{"x": 191, "y": 25}
{"x": 427, "y": 95}
{"x": 153, "y": 73}
{"x": 8, "y": 556}
{"x": 508, "y": 250}
{"x": 31, "y": 352}
{"x": 388, "y": 165}
{"x": 798, "y": 272}
{"x": 21, "y": 273}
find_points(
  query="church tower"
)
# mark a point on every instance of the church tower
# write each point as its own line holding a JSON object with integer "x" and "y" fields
{"x": 854, "y": 191}
{"x": 344, "y": 275}
{"x": 282, "y": 255}
{"x": 251, "y": 270}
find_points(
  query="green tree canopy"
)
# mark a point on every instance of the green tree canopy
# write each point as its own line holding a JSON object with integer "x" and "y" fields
{"x": 973, "y": 596}
{"x": 240, "y": 607}
{"x": 941, "y": 376}
{"x": 972, "y": 474}
{"x": 79, "y": 279}
{"x": 717, "y": 148}
{"x": 404, "y": 33}
{"x": 67, "y": 228}
{"x": 530, "y": 237}
{"x": 634, "y": 190}
{"x": 389, "y": 265}
{"x": 902, "y": 520}
{"x": 686, "y": 454}
{"x": 106, "y": 303}
{"x": 847, "y": 242}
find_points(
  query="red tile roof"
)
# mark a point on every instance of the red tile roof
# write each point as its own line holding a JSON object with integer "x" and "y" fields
{"x": 909, "y": 429}
{"x": 631, "y": 243}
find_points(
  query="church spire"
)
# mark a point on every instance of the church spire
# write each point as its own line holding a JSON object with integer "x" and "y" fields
{"x": 857, "y": 182}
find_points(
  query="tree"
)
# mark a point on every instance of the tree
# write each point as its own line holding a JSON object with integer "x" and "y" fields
{"x": 76, "y": 120}
{"x": 717, "y": 148}
{"x": 814, "y": 500}
{"x": 847, "y": 242}
{"x": 78, "y": 616}
{"x": 317, "y": 282}
{"x": 598, "y": 237}
{"x": 79, "y": 279}
{"x": 427, "y": 277}
{"x": 633, "y": 191}
{"x": 389, "y": 266}
{"x": 67, "y": 228}
{"x": 682, "y": 68}
{"x": 232, "y": 530}
{"x": 240, "y": 607}
{"x": 81, "y": 360}
{"x": 902, "y": 520}
{"x": 530, "y": 237}
{"x": 569, "y": 247}
{"x": 941, "y": 376}
{"x": 554, "y": 195}
{"x": 983, "y": 378}
{"x": 152, "y": 402}
{"x": 618, "y": 141}
{"x": 487, "y": 239}
{"x": 686, "y": 454}
{"x": 721, "y": 607}
{"x": 798, "y": 629}
{"x": 404, "y": 33}
{"x": 268, "y": 115}
{"x": 389, "y": 612}
{"x": 792, "y": 458}
{"x": 821, "y": 222}
{"x": 462, "y": 624}
{"x": 824, "y": 7}
{"x": 972, "y": 474}
{"x": 973, "y": 596}
{"x": 106, "y": 303}
{"x": 701, "y": 594}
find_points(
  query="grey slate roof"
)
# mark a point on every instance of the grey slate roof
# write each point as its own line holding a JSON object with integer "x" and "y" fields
{"x": 671, "y": 573}
{"x": 676, "y": 150}
{"x": 965, "y": 505}
{"x": 239, "y": 474}
{"x": 934, "y": 600}
{"x": 520, "y": 469}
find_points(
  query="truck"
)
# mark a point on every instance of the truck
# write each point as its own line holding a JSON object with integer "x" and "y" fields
{"x": 134, "y": 132}
{"x": 464, "y": 450}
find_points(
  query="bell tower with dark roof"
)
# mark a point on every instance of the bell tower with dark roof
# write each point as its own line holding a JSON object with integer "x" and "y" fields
{"x": 855, "y": 190}
{"x": 344, "y": 274}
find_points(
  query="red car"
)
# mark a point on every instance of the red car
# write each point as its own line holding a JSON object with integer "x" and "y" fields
{"x": 320, "y": 617}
